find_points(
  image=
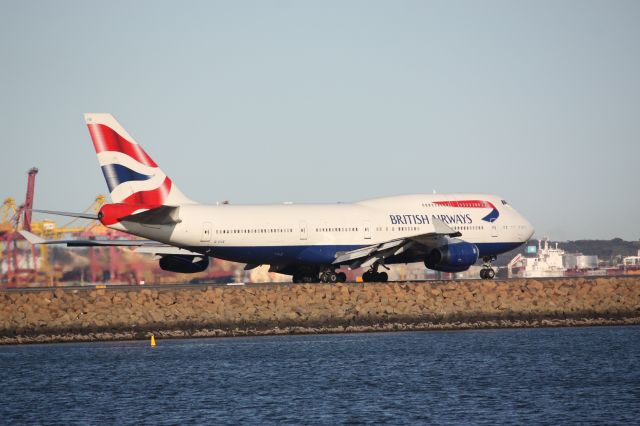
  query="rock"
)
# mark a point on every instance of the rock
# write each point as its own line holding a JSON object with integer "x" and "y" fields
{"x": 526, "y": 302}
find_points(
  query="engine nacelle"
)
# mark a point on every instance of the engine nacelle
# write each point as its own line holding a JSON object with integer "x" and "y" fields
{"x": 454, "y": 257}
{"x": 183, "y": 264}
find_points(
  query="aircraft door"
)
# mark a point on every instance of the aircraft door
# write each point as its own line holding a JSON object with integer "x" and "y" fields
{"x": 206, "y": 232}
{"x": 367, "y": 230}
{"x": 494, "y": 230}
{"x": 303, "y": 230}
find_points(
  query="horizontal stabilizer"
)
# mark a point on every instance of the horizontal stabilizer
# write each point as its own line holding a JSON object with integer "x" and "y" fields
{"x": 34, "y": 239}
{"x": 163, "y": 215}
{"x": 71, "y": 214}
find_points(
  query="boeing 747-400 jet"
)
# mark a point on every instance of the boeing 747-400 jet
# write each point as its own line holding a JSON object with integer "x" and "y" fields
{"x": 310, "y": 242}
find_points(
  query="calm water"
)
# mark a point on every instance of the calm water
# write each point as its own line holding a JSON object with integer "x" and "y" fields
{"x": 543, "y": 376}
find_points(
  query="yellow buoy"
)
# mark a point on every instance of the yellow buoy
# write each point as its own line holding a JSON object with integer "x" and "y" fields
{"x": 153, "y": 341}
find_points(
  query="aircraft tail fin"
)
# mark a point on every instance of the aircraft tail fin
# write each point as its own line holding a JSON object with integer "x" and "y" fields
{"x": 131, "y": 175}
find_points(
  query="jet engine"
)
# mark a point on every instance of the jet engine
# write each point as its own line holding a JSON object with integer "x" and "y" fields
{"x": 457, "y": 256}
{"x": 184, "y": 264}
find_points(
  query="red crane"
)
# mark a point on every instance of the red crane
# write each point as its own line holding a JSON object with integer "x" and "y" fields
{"x": 14, "y": 272}
{"x": 28, "y": 203}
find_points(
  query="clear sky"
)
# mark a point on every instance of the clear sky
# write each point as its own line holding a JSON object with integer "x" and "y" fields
{"x": 271, "y": 101}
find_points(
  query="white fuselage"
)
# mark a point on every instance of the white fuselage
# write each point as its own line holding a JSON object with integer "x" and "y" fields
{"x": 313, "y": 233}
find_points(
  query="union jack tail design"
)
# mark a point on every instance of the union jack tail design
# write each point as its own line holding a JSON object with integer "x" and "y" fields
{"x": 131, "y": 175}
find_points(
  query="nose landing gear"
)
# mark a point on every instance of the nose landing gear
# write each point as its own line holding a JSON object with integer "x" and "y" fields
{"x": 487, "y": 272}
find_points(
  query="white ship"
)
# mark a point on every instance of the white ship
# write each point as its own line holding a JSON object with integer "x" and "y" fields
{"x": 553, "y": 262}
{"x": 547, "y": 263}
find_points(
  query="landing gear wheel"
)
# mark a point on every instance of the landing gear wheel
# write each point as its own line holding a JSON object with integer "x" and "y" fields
{"x": 342, "y": 277}
{"x": 375, "y": 277}
{"x": 330, "y": 277}
{"x": 487, "y": 273}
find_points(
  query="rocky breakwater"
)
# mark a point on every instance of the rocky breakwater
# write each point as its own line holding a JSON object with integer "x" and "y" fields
{"x": 115, "y": 314}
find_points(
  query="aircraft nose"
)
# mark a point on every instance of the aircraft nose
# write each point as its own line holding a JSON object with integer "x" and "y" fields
{"x": 527, "y": 229}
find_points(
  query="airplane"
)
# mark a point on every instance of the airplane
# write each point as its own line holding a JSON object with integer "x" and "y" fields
{"x": 310, "y": 242}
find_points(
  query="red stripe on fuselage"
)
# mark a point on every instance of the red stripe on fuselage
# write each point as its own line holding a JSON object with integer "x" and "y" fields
{"x": 466, "y": 203}
{"x": 106, "y": 139}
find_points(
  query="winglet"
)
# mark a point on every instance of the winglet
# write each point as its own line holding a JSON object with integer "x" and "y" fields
{"x": 442, "y": 228}
{"x": 32, "y": 238}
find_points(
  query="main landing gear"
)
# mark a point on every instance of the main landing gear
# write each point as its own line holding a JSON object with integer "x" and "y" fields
{"x": 327, "y": 276}
{"x": 373, "y": 276}
{"x": 487, "y": 272}
{"x": 333, "y": 277}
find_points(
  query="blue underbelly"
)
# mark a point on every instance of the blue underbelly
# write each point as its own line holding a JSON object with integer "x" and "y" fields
{"x": 321, "y": 254}
{"x": 490, "y": 249}
{"x": 325, "y": 254}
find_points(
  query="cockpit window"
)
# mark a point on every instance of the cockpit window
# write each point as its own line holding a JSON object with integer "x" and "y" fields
{"x": 504, "y": 203}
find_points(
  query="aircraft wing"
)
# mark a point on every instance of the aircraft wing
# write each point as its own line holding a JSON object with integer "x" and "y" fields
{"x": 367, "y": 256}
{"x": 34, "y": 239}
{"x": 165, "y": 250}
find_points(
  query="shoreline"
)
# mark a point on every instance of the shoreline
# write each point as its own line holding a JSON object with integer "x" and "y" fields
{"x": 181, "y": 333}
